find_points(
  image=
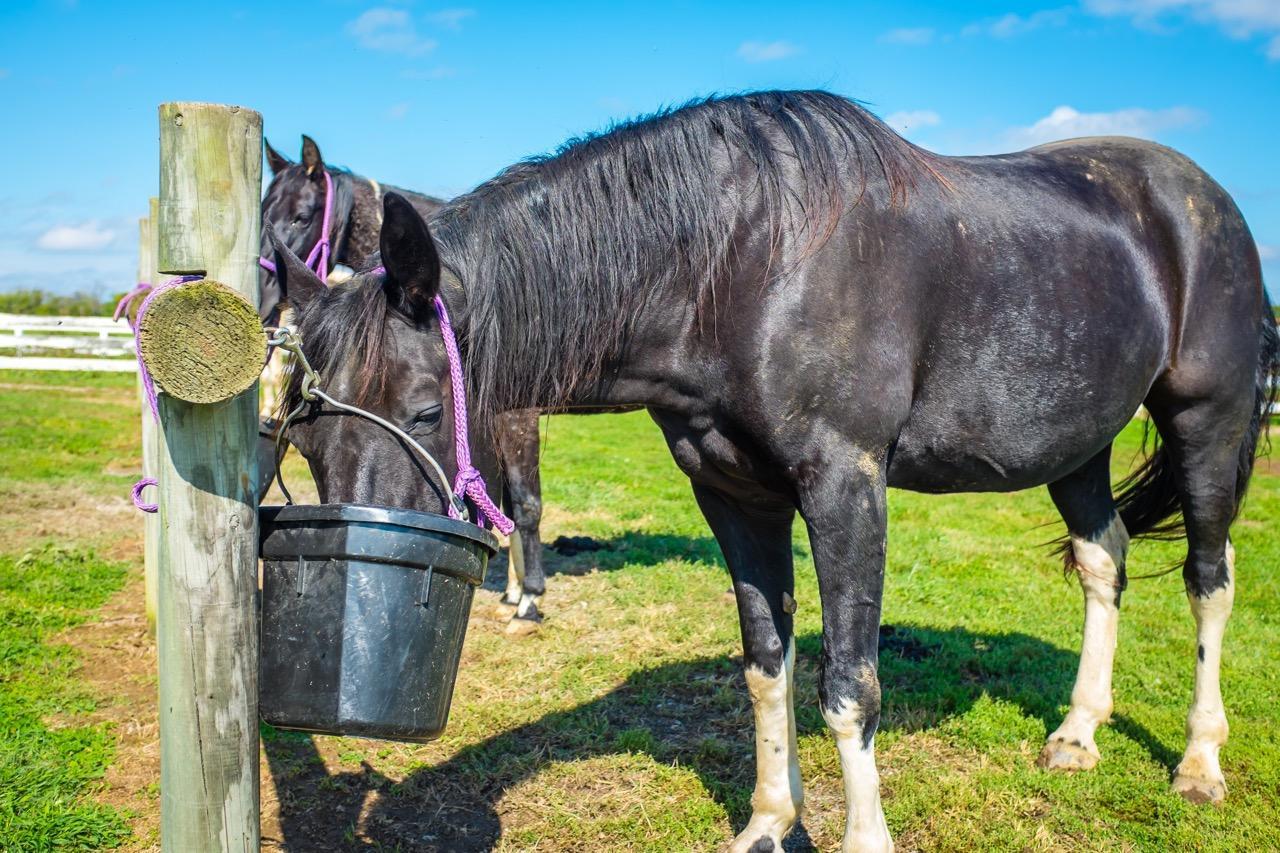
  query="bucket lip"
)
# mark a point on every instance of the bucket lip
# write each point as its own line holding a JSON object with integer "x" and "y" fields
{"x": 373, "y": 514}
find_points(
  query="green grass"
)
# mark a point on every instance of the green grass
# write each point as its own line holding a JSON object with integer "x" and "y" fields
{"x": 67, "y": 427}
{"x": 624, "y": 723}
{"x": 46, "y": 770}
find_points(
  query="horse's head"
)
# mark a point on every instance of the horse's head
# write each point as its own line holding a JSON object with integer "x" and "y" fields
{"x": 294, "y": 207}
{"x": 376, "y": 343}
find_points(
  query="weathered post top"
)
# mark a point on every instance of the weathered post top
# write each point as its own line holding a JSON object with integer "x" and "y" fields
{"x": 210, "y": 167}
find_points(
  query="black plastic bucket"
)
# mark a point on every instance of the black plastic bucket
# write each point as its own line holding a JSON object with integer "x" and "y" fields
{"x": 364, "y": 610}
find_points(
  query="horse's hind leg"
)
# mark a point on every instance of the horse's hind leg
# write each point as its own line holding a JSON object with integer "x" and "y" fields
{"x": 1204, "y": 442}
{"x": 1098, "y": 546}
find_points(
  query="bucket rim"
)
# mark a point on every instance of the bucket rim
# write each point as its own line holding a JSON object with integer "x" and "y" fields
{"x": 374, "y": 514}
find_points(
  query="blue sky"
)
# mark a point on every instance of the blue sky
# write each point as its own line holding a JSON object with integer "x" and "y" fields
{"x": 439, "y": 97}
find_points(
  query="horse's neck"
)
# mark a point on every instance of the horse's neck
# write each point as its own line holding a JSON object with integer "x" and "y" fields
{"x": 364, "y": 222}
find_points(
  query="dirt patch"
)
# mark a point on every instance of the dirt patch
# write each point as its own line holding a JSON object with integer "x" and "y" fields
{"x": 118, "y": 665}
{"x": 109, "y": 524}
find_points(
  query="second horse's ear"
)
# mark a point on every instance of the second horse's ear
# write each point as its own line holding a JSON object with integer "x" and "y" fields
{"x": 410, "y": 258}
{"x": 311, "y": 154}
{"x": 298, "y": 284}
{"x": 277, "y": 161}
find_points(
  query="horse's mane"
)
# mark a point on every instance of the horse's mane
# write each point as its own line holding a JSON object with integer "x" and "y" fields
{"x": 560, "y": 253}
{"x": 345, "y": 323}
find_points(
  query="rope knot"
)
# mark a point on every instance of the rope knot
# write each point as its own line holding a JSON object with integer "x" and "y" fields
{"x": 467, "y": 478}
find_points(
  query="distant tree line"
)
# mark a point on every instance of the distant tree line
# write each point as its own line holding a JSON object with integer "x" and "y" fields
{"x": 44, "y": 304}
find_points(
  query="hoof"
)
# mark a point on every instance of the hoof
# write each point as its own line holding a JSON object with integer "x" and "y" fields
{"x": 521, "y": 627}
{"x": 1068, "y": 755}
{"x": 502, "y": 611}
{"x": 1199, "y": 790}
{"x": 764, "y": 833}
{"x": 755, "y": 844}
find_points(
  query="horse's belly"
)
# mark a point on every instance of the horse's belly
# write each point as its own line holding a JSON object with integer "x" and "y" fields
{"x": 1003, "y": 446}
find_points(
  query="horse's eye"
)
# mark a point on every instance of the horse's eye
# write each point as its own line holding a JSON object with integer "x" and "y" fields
{"x": 427, "y": 420}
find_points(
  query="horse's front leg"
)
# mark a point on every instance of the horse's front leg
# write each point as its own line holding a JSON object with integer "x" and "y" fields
{"x": 756, "y": 542}
{"x": 844, "y": 509}
{"x": 518, "y": 447}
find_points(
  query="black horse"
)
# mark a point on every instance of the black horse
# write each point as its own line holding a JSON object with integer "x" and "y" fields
{"x": 814, "y": 309}
{"x": 294, "y": 205}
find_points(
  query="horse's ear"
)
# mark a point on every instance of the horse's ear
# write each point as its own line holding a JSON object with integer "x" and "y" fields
{"x": 298, "y": 283}
{"x": 311, "y": 154}
{"x": 409, "y": 256}
{"x": 277, "y": 161}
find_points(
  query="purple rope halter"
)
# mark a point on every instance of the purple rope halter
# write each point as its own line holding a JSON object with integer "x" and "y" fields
{"x": 469, "y": 481}
{"x": 122, "y": 307}
{"x": 318, "y": 257}
{"x": 148, "y": 385}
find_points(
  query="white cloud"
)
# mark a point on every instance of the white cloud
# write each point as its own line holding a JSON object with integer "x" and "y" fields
{"x": 1268, "y": 253}
{"x": 1065, "y": 122}
{"x": 398, "y": 111}
{"x": 1239, "y": 19}
{"x": 760, "y": 51}
{"x": 909, "y": 35}
{"x": 451, "y": 19}
{"x": 87, "y": 237}
{"x": 1011, "y": 25}
{"x": 906, "y": 121}
{"x": 390, "y": 30}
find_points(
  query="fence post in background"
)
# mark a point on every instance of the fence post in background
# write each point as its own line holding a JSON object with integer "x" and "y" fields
{"x": 151, "y": 521}
{"x": 207, "y": 634}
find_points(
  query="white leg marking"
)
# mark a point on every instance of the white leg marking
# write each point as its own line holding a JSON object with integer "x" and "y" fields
{"x": 526, "y": 619}
{"x": 779, "y": 793}
{"x": 1072, "y": 746}
{"x": 1199, "y": 776}
{"x": 515, "y": 568}
{"x": 865, "y": 828}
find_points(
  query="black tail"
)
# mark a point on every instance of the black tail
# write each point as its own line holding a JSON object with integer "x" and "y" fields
{"x": 1148, "y": 499}
{"x": 1266, "y": 391}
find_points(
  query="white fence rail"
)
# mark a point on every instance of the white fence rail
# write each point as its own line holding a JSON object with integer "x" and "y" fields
{"x": 33, "y": 338}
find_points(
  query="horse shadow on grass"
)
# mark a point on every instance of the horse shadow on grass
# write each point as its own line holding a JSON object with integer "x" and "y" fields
{"x": 693, "y": 713}
{"x": 582, "y": 555}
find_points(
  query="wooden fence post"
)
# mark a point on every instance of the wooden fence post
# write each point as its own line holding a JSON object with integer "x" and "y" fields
{"x": 151, "y": 521}
{"x": 207, "y": 631}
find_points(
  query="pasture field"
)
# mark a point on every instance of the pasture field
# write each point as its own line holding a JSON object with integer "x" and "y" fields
{"x": 624, "y": 722}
